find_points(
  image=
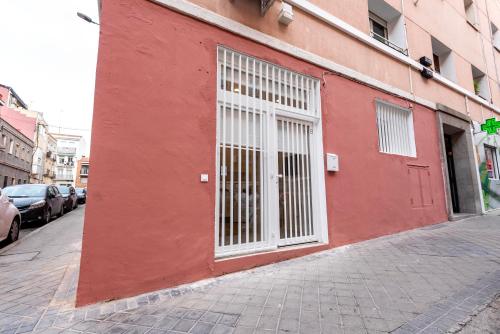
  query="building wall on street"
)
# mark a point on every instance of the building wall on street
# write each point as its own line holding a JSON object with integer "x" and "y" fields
{"x": 82, "y": 177}
{"x": 15, "y": 155}
{"x": 50, "y": 160}
{"x": 70, "y": 148}
{"x": 424, "y": 20}
{"x": 174, "y": 129}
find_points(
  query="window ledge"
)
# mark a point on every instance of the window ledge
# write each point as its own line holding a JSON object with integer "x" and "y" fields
{"x": 473, "y": 25}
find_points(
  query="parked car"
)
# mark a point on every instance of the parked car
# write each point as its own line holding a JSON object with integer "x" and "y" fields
{"x": 36, "y": 202}
{"x": 81, "y": 194}
{"x": 70, "y": 198}
{"x": 10, "y": 219}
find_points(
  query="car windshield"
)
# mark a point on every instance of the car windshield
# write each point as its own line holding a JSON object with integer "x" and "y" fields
{"x": 25, "y": 191}
{"x": 63, "y": 190}
{"x": 80, "y": 191}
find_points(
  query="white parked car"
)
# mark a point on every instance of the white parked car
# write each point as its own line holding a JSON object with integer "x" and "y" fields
{"x": 10, "y": 219}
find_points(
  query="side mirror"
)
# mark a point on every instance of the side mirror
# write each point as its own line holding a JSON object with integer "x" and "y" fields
{"x": 11, "y": 200}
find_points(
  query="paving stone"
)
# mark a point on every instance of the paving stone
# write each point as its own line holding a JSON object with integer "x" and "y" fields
{"x": 221, "y": 329}
{"x": 184, "y": 325}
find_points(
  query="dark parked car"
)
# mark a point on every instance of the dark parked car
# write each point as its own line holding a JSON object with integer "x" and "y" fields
{"x": 81, "y": 194}
{"x": 70, "y": 199}
{"x": 36, "y": 202}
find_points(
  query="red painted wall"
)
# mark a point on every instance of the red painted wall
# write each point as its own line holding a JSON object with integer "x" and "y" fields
{"x": 149, "y": 221}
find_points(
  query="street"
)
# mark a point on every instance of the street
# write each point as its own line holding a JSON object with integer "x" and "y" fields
{"x": 428, "y": 280}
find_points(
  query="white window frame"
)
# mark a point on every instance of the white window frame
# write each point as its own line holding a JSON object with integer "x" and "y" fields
{"x": 471, "y": 13}
{"x": 270, "y": 111}
{"x": 390, "y": 139}
{"x": 375, "y": 18}
{"x": 482, "y": 81}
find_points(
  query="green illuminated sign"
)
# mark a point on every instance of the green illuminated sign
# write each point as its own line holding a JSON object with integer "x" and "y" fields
{"x": 491, "y": 126}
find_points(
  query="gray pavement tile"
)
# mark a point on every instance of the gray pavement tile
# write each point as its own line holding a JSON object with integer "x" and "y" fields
{"x": 184, "y": 325}
{"x": 268, "y": 322}
{"x": 352, "y": 321}
{"x": 137, "y": 330}
{"x": 243, "y": 330}
{"x": 211, "y": 317}
{"x": 248, "y": 320}
{"x": 221, "y": 329}
{"x": 194, "y": 314}
{"x": 166, "y": 322}
{"x": 202, "y": 328}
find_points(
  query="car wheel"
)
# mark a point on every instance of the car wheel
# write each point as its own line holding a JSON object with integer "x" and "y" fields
{"x": 48, "y": 216}
{"x": 14, "y": 230}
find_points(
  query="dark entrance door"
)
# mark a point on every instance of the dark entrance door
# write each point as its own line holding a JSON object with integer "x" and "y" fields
{"x": 451, "y": 172}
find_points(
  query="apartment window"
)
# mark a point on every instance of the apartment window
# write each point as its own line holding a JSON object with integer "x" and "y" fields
{"x": 492, "y": 162}
{"x": 11, "y": 147}
{"x": 444, "y": 63}
{"x": 5, "y": 181}
{"x": 495, "y": 36}
{"x": 435, "y": 61}
{"x": 395, "y": 129}
{"x": 4, "y": 141}
{"x": 470, "y": 13}
{"x": 387, "y": 25}
{"x": 84, "y": 170}
{"x": 378, "y": 28}
{"x": 480, "y": 81}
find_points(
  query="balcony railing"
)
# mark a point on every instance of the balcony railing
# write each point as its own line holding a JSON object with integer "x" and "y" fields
{"x": 64, "y": 176}
{"x": 66, "y": 150}
{"x": 384, "y": 40}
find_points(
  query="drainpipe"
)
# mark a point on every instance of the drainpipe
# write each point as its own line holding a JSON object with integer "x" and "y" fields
{"x": 410, "y": 77}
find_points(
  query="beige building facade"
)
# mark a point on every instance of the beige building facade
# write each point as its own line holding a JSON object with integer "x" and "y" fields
{"x": 339, "y": 33}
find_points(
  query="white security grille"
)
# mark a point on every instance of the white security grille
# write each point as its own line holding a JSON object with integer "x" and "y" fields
{"x": 395, "y": 129}
{"x": 253, "y": 144}
{"x": 296, "y": 220}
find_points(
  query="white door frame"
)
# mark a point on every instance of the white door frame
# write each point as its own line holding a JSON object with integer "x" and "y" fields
{"x": 300, "y": 100}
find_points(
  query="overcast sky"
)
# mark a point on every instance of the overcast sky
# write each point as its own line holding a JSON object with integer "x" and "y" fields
{"x": 48, "y": 56}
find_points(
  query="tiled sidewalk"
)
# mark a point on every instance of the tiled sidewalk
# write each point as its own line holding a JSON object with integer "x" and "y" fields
{"x": 428, "y": 280}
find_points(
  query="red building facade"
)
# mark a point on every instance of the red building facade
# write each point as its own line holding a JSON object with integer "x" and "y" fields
{"x": 176, "y": 90}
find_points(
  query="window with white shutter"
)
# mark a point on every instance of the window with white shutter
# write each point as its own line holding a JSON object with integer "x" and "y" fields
{"x": 395, "y": 129}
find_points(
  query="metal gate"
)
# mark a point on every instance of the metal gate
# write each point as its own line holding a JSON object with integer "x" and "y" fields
{"x": 295, "y": 208}
{"x": 265, "y": 128}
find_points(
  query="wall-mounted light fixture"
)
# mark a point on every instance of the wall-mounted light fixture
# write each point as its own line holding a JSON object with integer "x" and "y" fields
{"x": 286, "y": 14}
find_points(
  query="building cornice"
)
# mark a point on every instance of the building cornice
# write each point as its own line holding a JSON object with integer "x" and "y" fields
{"x": 187, "y": 8}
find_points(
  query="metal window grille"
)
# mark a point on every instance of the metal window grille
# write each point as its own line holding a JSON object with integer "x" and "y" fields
{"x": 395, "y": 129}
{"x": 266, "y": 117}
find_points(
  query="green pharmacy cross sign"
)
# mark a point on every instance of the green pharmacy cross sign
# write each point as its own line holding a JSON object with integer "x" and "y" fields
{"x": 491, "y": 126}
